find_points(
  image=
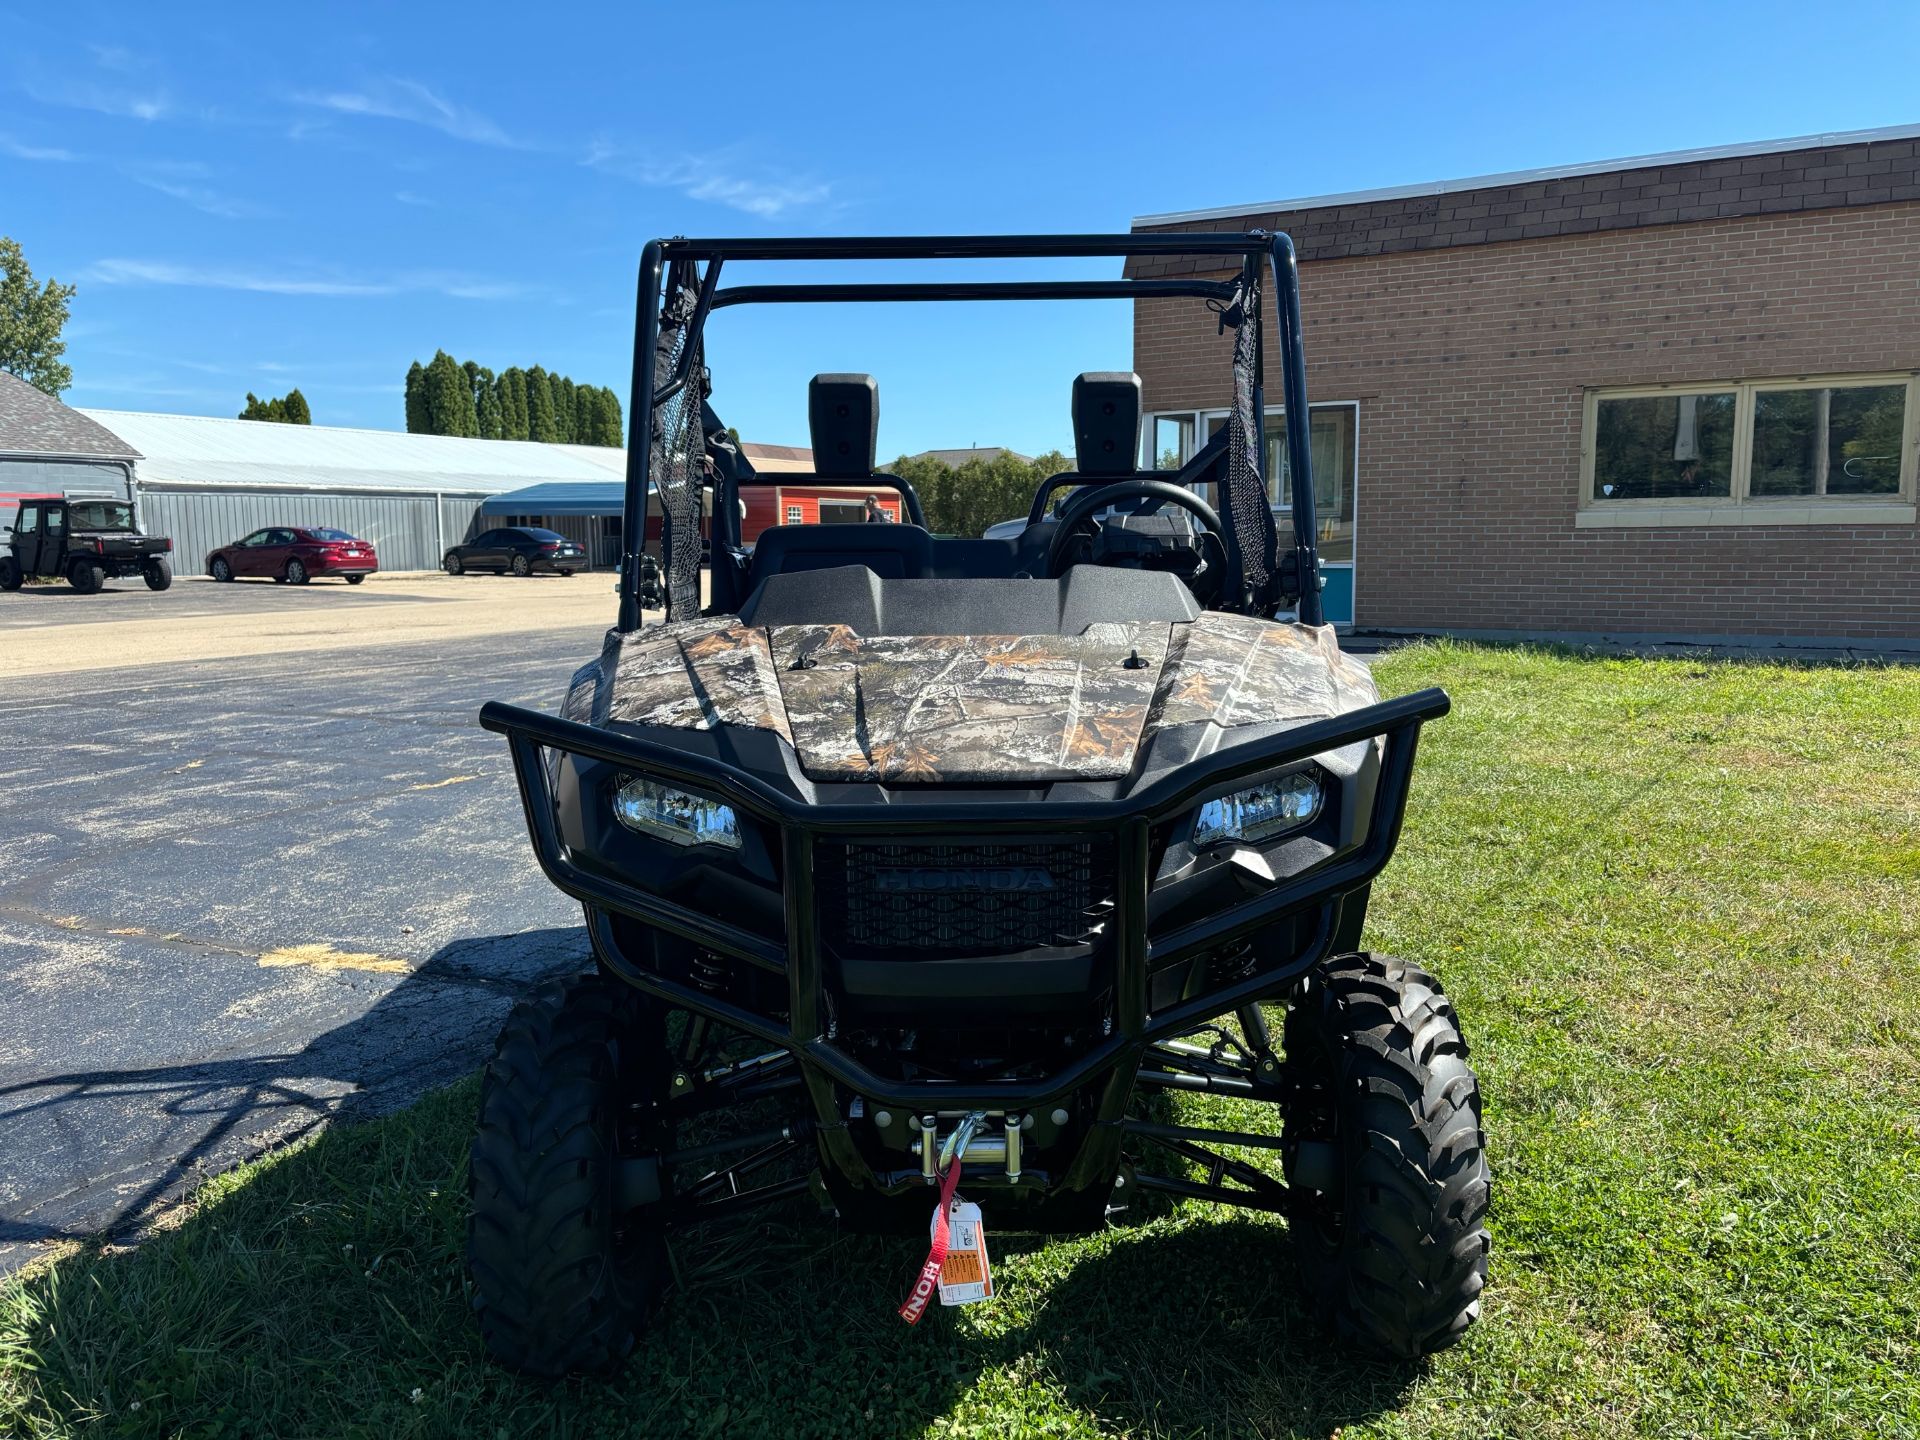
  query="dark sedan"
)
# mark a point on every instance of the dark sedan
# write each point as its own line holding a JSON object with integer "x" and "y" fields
{"x": 519, "y": 548}
{"x": 295, "y": 554}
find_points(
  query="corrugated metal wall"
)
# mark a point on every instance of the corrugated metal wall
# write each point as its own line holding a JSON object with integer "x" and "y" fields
{"x": 403, "y": 528}
{"x": 53, "y": 477}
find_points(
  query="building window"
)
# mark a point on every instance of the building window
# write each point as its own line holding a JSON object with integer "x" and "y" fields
{"x": 1334, "y": 437}
{"x": 1664, "y": 447}
{"x": 793, "y": 514}
{"x": 1750, "y": 451}
{"x": 1828, "y": 440}
{"x": 1331, "y": 438}
{"x": 1169, "y": 442}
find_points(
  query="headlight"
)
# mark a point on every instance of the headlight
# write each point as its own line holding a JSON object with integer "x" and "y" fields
{"x": 647, "y": 807}
{"x": 1284, "y": 803}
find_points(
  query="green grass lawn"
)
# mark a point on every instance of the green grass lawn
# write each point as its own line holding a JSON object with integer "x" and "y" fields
{"x": 1678, "y": 906}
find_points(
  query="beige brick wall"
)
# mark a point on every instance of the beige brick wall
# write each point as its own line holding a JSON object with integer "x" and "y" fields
{"x": 1469, "y": 365}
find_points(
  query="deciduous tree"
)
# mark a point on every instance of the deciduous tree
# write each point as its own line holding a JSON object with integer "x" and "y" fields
{"x": 31, "y": 319}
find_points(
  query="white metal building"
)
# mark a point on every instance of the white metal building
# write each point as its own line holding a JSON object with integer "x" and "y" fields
{"x": 207, "y": 482}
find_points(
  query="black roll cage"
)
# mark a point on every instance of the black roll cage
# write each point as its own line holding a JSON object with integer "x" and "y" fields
{"x": 1252, "y": 247}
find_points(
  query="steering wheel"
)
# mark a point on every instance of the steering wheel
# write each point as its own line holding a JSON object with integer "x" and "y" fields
{"x": 1079, "y": 512}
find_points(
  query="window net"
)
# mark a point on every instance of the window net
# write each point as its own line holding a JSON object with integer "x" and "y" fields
{"x": 678, "y": 466}
{"x": 1245, "y": 488}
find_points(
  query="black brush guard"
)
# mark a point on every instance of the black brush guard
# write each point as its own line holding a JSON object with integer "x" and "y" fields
{"x": 1074, "y": 1198}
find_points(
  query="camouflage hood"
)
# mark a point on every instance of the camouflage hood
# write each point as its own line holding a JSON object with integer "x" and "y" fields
{"x": 968, "y": 709}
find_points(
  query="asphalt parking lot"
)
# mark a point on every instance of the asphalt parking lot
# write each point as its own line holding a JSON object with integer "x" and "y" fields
{"x": 46, "y": 629}
{"x": 241, "y": 894}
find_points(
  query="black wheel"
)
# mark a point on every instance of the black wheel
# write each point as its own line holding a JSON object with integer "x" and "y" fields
{"x": 1394, "y": 1250}
{"x": 220, "y": 569}
{"x": 87, "y": 578}
{"x": 158, "y": 573}
{"x": 521, "y": 567}
{"x": 452, "y": 565}
{"x": 566, "y": 574}
{"x": 355, "y": 579}
{"x": 297, "y": 573}
{"x": 10, "y": 577}
{"x": 563, "y": 1276}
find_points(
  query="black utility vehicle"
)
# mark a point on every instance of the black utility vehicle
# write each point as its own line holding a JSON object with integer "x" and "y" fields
{"x": 519, "y": 548}
{"x": 908, "y": 856}
{"x": 88, "y": 539}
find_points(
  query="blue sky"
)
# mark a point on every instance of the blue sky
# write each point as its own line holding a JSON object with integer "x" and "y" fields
{"x": 252, "y": 199}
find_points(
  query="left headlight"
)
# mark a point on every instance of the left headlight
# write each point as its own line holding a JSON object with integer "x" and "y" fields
{"x": 1261, "y": 811}
{"x": 647, "y": 807}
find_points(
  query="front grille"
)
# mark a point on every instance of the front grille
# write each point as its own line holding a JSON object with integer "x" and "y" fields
{"x": 961, "y": 899}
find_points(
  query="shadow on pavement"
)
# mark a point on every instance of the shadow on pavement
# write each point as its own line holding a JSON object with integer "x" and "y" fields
{"x": 433, "y": 1027}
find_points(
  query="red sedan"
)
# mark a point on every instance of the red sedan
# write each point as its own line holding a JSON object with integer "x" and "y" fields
{"x": 295, "y": 555}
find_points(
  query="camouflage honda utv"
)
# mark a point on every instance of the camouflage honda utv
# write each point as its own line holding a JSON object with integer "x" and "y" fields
{"x": 912, "y": 862}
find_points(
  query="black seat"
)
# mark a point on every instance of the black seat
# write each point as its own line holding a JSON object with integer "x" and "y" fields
{"x": 894, "y": 552}
{"x": 856, "y": 597}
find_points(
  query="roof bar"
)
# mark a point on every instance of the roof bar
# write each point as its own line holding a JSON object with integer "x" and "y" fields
{"x": 970, "y": 247}
{"x": 974, "y": 290}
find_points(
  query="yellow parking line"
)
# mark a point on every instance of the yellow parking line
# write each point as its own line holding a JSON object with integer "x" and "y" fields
{"x": 325, "y": 957}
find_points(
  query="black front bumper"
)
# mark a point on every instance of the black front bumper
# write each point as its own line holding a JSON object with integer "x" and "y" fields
{"x": 1312, "y": 900}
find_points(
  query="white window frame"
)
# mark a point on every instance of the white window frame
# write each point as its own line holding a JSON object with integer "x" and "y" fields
{"x": 795, "y": 515}
{"x": 1740, "y": 506}
{"x": 1198, "y": 437}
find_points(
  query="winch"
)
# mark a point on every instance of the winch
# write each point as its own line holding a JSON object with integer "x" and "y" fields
{"x": 973, "y": 1137}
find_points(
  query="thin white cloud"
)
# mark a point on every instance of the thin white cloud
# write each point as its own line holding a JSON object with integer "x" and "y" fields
{"x": 407, "y": 197}
{"x": 119, "y": 58}
{"x": 451, "y": 284}
{"x": 210, "y": 202}
{"x": 102, "y": 99}
{"x": 22, "y": 151}
{"x": 395, "y": 98}
{"x": 203, "y": 277}
{"x": 716, "y": 179}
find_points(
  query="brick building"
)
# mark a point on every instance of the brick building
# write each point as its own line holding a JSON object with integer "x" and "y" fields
{"x": 1673, "y": 396}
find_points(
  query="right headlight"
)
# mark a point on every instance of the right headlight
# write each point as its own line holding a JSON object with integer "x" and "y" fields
{"x": 1261, "y": 811}
{"x": 649, "y": 808}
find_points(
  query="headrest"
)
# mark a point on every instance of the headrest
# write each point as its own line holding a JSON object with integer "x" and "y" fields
{"x": 843, "y": 414}
{"x": 1106, "y": 421}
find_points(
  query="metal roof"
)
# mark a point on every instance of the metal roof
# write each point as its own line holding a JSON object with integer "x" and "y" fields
{"x": 1526, "y": 177}
{"x": 954, "y": 459}
{"x": 561, "y": 498}
{"x": 33, "y": 423}
{"x": 200, "y": 450}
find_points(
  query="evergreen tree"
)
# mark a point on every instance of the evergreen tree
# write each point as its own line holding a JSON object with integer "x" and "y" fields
{"x": 450, "y": 409}
{"x": 485, "y": 407}
{"x": 289, "y": 409}
{"x": 454, "y": 397}
{"x": 513, "y": 403}
{"x": 418, "y": 421}
{"x": 540, "y": 420}
{"x": 487, "y": 402}
{"x": 608, "y": 429}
